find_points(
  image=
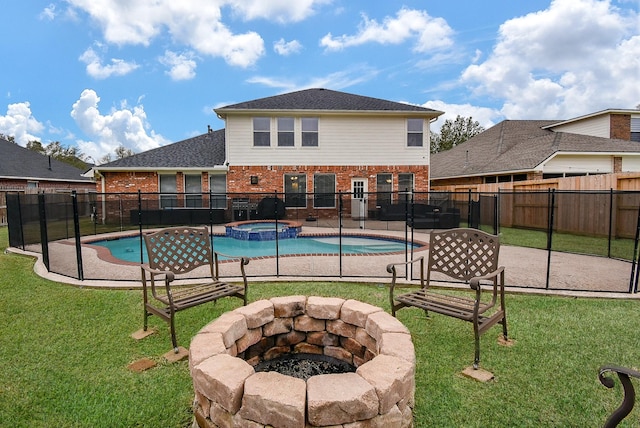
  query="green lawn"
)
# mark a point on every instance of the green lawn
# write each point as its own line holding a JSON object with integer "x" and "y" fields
{"x": 65, "y": 351}
{"x": 621, "y": 248}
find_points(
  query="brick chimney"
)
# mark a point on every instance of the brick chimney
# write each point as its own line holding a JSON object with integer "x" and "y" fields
{"x": 620, "y": 125}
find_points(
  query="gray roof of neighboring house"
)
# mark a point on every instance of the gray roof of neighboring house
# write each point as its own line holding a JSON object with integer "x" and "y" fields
{"x": 204, "y": 151}
{"x": 21, "y": 163}
{"x": 518, "y": 145}
{"x": 325, "y": 99}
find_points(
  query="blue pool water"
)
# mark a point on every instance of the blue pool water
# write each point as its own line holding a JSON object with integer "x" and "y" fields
{"x": 128, "y": 249}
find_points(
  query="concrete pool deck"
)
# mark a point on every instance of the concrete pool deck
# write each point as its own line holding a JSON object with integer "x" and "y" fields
{"x": 526, "y": 268}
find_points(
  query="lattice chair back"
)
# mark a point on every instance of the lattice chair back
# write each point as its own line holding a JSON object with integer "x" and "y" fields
{"x": 179, "y": 249}
{"x": 463, "y": 253}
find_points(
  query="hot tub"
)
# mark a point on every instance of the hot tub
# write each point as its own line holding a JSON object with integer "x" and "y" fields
{"x": 263, "y": 230}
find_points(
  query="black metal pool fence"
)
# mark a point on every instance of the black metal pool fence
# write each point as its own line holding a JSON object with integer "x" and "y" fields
{"x": 603, "y": 224}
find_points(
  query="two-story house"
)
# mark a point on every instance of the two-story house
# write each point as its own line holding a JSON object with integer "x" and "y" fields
{"x": 603, "y": 142}
{"x": 305, "y": 145}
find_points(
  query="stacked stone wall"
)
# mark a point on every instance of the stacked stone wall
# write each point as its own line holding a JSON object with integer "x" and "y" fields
{"x": 229, "y": 393}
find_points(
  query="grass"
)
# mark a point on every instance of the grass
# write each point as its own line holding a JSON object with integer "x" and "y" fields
{"x": 621, "y": 248}
{"x": 65, "y": 351}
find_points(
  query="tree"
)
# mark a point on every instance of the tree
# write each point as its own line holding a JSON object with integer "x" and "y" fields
{"x": 121, "y": 152}
{"x": 454, "y": 133}
{"x": 70, "y": 155}
{"x": 36, "y": 146}
{"x": 9, "y": 138}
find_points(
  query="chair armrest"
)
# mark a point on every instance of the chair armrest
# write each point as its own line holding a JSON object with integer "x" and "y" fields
{"x": 474, "y": 283}
{"x": 243, "y": 259}
{"x": 391, "y": 266}
{"x": 628, "y": 401}
{"x": 169, "y": 275}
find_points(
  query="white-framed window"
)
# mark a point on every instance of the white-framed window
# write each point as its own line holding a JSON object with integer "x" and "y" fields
{"x": 415, "y": 132}
{"x": 261, "y": 131}
{"x": 285, "y": 131}
{"x": 384, "y": 187}
{"x": 405, "y": 183}
{"x": 218, "y": 190}
{"x": 635, "y": 129}
{"x": 295, "y": 190}
{"x": 193, "y": 190}
{"x": 324, "y": 190}
{"x": 309, "y": 132}
{"x": 168, "y": 191}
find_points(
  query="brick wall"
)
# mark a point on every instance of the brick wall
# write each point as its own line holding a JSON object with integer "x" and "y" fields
{"x": 270, "y": 179}
{"x": 620, "y": 126}
{"x": 129, "y": 182}
{"x": 44, "y": 186}
{"x": 617, "y": 164}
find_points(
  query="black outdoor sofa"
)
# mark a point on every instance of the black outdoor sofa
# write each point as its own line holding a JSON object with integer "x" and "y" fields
{"x": 421, "y": 216}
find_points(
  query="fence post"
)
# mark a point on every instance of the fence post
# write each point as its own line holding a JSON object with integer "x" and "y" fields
{"x": 469, "y": 209}
{"x": 139, "y": 220}
{"x": 76, "y": 232}
{"x": 552, "y": 202}
{"x": 610, "y": 222}
{"x": 44, "y": 240}
{"x": 633, "y": 281}
{"x": 340, "y": 207}
{"x": 275, "y": 209}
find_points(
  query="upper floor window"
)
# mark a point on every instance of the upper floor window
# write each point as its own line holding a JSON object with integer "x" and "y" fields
{"x": 635, "y": 129}
{"x": 261, "y": 132}
{"x": 285, "y": 132}
{"x": 309, "y": 132}
{"x": 415, "y": 132}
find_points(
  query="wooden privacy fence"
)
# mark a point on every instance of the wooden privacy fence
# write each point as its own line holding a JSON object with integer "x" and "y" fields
{"x": 599, "y": 205}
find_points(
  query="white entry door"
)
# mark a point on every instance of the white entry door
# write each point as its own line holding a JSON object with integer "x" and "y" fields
{"x": 359, "y": 198}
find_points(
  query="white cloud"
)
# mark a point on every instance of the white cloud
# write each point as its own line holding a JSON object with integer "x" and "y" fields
{"x": 20, "y": 123}
{"x": 48, "y": 12}
{"x": 181, "y": 66}
{"x": 97, "y": 70}
{"x": 575, "y": 57}
{"x": 486, "y": 117}
{"x": 126, "y": 127}
{"x": 287, "y": 48}
{"x": 197, "y": 24}
{"x": 430, "y": 33}
{"x": 338, "y": 80}
{"x": 276, "y": 10}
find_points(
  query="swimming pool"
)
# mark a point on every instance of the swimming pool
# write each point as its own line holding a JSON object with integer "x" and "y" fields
{"x": 128, "y": 248}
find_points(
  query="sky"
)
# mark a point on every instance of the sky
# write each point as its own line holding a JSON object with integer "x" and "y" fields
{"x": 99, "y": 74}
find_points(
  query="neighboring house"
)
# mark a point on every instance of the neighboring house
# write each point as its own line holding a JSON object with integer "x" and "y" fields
{"x": 517, "y": 150}
{"x": 314, "y": 141}
{"x": 23, "y": 170}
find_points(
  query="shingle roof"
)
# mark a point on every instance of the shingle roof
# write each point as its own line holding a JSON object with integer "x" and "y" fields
{"x": 18, "y": 162}
{"x": 325, "y": 99}
{"x": 518, "y": 145}
{"x": 204, "y": 151}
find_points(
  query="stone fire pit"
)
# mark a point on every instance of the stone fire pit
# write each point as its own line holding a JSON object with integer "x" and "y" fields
{"x": 230, "y": 393}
